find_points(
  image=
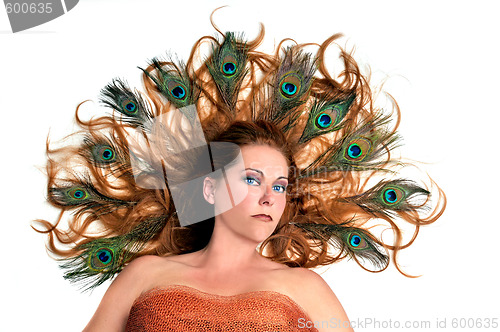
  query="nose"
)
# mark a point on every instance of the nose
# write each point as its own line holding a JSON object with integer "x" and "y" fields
{"x": 267, "y": 197}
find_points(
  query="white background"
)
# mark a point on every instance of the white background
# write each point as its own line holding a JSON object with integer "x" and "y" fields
{"x": 442, "y": 64}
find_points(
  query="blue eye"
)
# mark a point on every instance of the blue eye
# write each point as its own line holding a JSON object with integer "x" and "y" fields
{"x": 281, "y": 189}
{"x": 250, "y": 180}
{"x": 254, "y": 182}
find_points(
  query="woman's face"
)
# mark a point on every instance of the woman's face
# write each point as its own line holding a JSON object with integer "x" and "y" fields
{"x": 257, "y": 186}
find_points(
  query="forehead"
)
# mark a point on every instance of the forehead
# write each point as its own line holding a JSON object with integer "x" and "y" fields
{"x": 266, "y": 159}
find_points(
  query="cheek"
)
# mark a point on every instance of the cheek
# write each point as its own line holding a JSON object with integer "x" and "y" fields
{"x": 229, "y": 196}
{"x": 281, "y": 203}
{"x": 239, "y": 191}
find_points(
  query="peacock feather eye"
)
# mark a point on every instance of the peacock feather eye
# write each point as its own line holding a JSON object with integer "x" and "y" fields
{"x": 325, "y": 119}
{"x": 290, "y": 85}
{"x": 228, "y": 67}
{"x": 177, "y": 89}
{"x": 107, "y": 154}
{"x": 129, "y": 106}
{"x": 354, "y": 151}
{"x": 178, "y": 92}
{"x": 356, "y": 241}
{"x": 393, "y": 195}
{"x": 78, "y": 193}
{"x": 104, "y": 153}
{"x": 102, "y": 258}
{"x": 357, "y": 149}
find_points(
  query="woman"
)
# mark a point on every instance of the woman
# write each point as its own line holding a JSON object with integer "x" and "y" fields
{"x": 230, "y": 263}
{"x": 320, "y": 136}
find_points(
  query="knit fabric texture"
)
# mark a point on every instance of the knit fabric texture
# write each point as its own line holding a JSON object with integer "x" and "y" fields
{"x": 183, "y": 308}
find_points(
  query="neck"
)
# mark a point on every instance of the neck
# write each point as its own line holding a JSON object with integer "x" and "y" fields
{"x": 227, "y": 254}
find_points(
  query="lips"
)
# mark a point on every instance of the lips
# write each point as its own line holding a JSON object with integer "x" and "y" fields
{"x": 264, "y": 217}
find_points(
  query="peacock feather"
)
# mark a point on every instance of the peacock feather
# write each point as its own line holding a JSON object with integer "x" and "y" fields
{"x": 228, "y": 68}
{"x": 102, "y": 259}
{"x": 325, "y": 116}
{"x": 84, "y": 197}
{"x": 104, "y": 152}
{"x": 173, "y": 83}
{"x": 118, "y": 96}
{"x": 391, "y": 196}
{"x": 359, "y": 150}
{"x": 291, "y": 83}
{"x": 356, "y": 242}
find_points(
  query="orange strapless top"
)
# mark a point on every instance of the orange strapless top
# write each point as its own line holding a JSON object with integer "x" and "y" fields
{"x": 184, "y": 308}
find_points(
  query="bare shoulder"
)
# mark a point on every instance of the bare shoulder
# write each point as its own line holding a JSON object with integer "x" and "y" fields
{"x": 112, "y": 313}
{"x": 138, "y": 273}
{"x": 297, "y": 275}
{"x": 316, "y": 297}
{"x": 147, "y": 262}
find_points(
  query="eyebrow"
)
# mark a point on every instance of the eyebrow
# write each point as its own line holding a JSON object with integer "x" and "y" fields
{"x": 261, "y": 173}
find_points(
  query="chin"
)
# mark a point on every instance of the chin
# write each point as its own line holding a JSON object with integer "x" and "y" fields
{"x": 262, "y": 234}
